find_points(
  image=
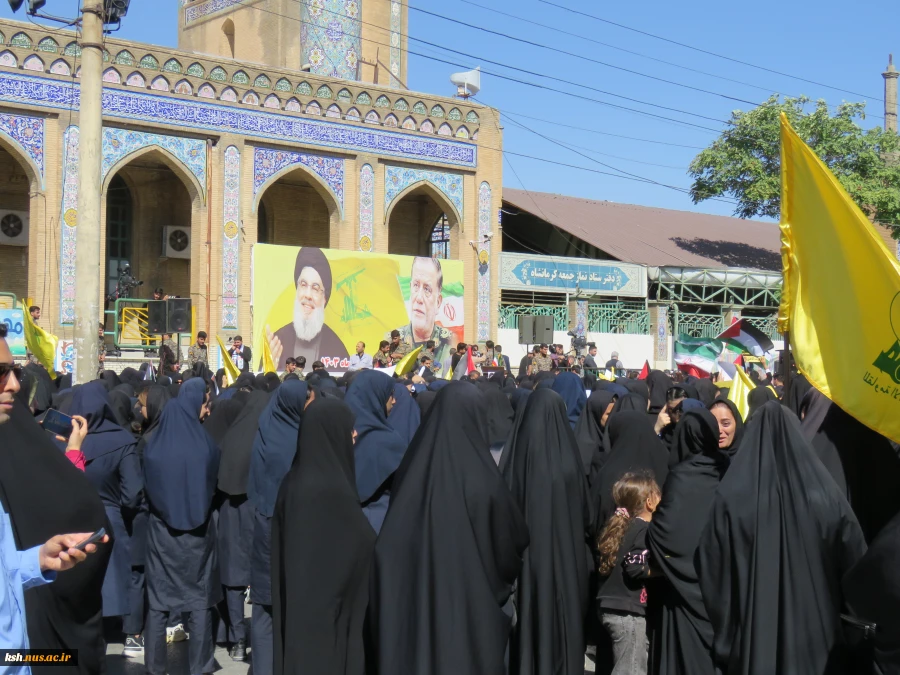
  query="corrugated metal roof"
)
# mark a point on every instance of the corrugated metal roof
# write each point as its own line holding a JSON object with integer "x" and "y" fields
{"x": 657, "y": 237}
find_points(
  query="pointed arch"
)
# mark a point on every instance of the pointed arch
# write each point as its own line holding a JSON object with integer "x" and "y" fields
{"x": 293, "y": 105}
{"x": 445, "y": 130}
{"x": 391, "y": 120}
{"x": 35, "y": 63}
{"x": 60, "y": 67}
{"x": 160, "y": 84}
{"x": 112, "y": 76}
{"x": 332, "y": 200}
{"x": 21, "y": 155}
{"x": 184, "y": 87}
{"x": 353, "y": 115}
{"x": 272, "y": 101}
{"x": 228, "y": 94}
{"x": 434, "y": 191}
{"x": 250, "y": 98}
{"x": 179, "y": 168}
{"x": 206, "y": 91}
{"x": 333, "y": 111}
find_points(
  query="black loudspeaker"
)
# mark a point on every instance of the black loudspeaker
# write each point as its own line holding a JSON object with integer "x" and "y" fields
{"x": 156, "y": 317}
{"x": 543, "y": 330}
{"x": 526, "y": 329}
{"x": 178, "y": 315}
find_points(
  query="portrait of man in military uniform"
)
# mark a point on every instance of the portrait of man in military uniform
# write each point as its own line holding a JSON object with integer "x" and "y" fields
{"x": 426, "y": 285}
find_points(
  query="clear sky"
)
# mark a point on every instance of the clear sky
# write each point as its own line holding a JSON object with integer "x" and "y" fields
{"x": 838, "y": 44}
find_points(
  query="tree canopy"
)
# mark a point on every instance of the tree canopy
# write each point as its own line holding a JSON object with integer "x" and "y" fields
{"x": 744, "y": 162}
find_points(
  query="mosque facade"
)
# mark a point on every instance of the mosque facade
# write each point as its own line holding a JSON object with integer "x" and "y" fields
{"x": 275, "y": 121}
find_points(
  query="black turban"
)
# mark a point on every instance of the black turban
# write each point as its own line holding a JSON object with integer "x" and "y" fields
{"x": 310, "y": 256}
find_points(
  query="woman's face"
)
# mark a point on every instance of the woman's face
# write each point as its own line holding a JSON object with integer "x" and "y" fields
{"x": 606, "y": 413}
{"x": 727, "y": 426}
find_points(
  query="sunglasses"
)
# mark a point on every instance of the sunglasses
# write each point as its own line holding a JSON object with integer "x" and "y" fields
{"x": 7, "y": 368}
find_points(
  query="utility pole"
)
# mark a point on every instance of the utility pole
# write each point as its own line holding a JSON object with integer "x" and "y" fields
{"x": 87, "y": 260}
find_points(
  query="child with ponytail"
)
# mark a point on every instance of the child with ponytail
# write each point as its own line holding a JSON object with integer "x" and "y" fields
{"x": 622, "y": 600}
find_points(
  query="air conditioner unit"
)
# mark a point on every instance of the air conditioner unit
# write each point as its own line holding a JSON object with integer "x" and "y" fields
{"x": 176, "y": 242}
{"x": 13, "y": 228}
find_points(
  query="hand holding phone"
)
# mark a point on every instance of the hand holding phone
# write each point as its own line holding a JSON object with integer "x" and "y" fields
{"x": 64, "y": 551}
{"x": 58, "y": 423}
{"x": 93, "y": 539}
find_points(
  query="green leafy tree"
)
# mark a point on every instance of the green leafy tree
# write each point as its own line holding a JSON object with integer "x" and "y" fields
{"x": 744, "y": 162}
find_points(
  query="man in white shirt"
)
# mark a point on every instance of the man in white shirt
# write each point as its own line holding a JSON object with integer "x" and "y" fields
{"x": 360, "y": 360}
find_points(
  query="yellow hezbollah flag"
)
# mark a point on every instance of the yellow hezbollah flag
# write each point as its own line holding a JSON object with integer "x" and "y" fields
{"x": 841, "y": 293}
{"x": 407, "y": 363}
{"x": 39, "y": 342}
{"x": 741, "y": 386}
{"x": 231, "y": 371}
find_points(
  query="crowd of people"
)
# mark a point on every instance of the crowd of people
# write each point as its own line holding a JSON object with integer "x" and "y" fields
{"x": 491, "y": 524}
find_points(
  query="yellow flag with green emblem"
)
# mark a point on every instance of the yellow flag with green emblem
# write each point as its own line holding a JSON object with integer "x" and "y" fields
{"x": 739, "y": 392}
{"x": 841, "y": 293}
{"x": 231, "y": 371}
{"x": 407, "y": 363}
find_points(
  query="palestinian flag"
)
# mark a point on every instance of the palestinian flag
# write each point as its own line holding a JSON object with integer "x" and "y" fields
{"x": 465, "y": 366}
{"x": 747, "y": 337}
{"x": 697, "y": 356}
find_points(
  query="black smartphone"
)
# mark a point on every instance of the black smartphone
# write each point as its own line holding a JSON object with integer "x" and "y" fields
{"x": 93, "y": 539}
{"x": 58, "y": 423}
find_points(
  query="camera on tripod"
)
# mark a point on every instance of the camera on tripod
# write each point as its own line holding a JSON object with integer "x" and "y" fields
{"x": 125, "y": 284}
{"x": 579, "y": 343}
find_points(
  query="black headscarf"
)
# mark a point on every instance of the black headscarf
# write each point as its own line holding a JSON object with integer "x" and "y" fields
{"x": 546, "y": 478}
{"x": 707, "y": 391}
{"x": 122, "y": 408}
{"x": 634, "y": 446}
{"x": 795, "y": 393}
{"x": 237, "y": 446}
{"x": 181, "y": 462}
{"x": 449, "y": 552}
{"x": 91, "y": 401}
{"x": 275, "y": 444}
{"x": 43, "y": 387}
{"x": 500, "y": 414}
{"x": 738, "y": 425}
{"x": 223, "y": 414}
{"x": 571, "y": 388}
{"x": 379, "y": 449}
{"x": 682, "y": 634}
{"x": 322, "y": 548}
{"x": 110, "y": 379}
{"x": 780, "y": 538}
{"x": 130, "y": 376}
{"x": 872, "y": 590}
{"x": 589, "y": 432}
{"x": 519, "y": 397}
{"x": 659, "y": 384}
{"x": 405, "y": 415}
{"x": 425, "y": 401}
{"x": 863, "y": 463}
{"x": 757, "y": 398}
{"x": 272, "y": 382}
{"x": 630, "y": 402}
{"x": 45, "y": 495}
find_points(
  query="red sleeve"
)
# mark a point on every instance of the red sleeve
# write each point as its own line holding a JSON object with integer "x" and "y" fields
{"x": 77, "y": 458}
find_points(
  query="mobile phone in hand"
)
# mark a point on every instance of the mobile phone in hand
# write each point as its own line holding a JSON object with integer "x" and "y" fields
{"x": 93, "y": 539}
{"x": 58, "y": 423}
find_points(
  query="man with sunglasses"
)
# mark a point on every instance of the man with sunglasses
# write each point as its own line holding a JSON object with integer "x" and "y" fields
{"x": 10, "y": 376}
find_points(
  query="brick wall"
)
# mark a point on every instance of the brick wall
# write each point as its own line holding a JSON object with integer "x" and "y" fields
{"x": 297, "y": 216}
{"x": 14, "y": 185}
{"x": 410, "y": 225}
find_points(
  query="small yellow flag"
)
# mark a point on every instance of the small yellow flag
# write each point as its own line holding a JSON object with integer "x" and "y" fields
{"x": 39, "y": 342}
{"x": 841, "y": 293}
{"x": 739, "y": 393}
{"x": 231, "y": 371}
{"x": 408, "y": 362}
{"x": 268, "y": 363}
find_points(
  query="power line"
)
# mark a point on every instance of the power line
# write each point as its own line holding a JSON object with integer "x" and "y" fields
{"x": 580, "y": 56}
{"x": 704, "y": 51}
{"x": 526, "y": 82}
{"x": 770, "y": 90}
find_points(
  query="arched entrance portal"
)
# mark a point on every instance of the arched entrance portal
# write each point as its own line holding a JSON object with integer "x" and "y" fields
{"x": 149, "y": 213}
{"x": 14, "y": 225}
{"x": 422, "y": 223}
{"x": 296, "y": 210}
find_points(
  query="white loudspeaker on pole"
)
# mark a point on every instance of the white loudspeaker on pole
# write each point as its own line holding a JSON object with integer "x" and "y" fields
{"x": 467, "y": 83}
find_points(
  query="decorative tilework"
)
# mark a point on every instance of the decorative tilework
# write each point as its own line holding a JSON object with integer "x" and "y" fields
{"x": 231, "y": 245}
{"x": 581, "y": 311}
{"x": 398, "y": 178}
{"x": 293, "y": 105}
{"x": 396, "y": 53}
{"x": 112, "y": 76}
{"x": 124, "y": 58}
{"x": 20, "y": 40}
{"x": 60, "y": 67}
{"x": 33, "y": 63}
{"x": 472, "y": 117}
{"x": 382, "y": 102}
{"x": 313, "y": 108}
{"x": 462, "y": 132}
{"x": 353, "y": 115}
{"x": 409, "y": 123}
{"x": 427, "y": 127}
{"x": 262, "y": 82}
{"x": 454, "y": 115}
{"x": 197, "y": 115}
{"x": 364, "y": 99}
{"x": 136, "y": 80}
{"x": 272, "y": 101}
{"x": 420, "y": 109}
{"x": 203, "y": 9}
{"x": 662, "y": 338}
{"x": 206, "y": 91}
{"x": 366, "y": 208}
{"x": 324, "y": 91}
{"x": 229, "y": 94}
{"x": 172, "y": 66}
{"x": 218, "y": 74}
{"x": 484, "y": 262}
{"x": 304, "y": 89}
{"x": 282, "y": 85}
{"x": 150, "y": 62}
{"x": 72, "y": 49}
{"x": 391, "y": 121}
{"x": 372, "y": 117}
{"x": 437, "y": 111}
{"x": 401, "y": 104}
{"x": 250, "y": 98}
{"x": 330, "y": 36}
{"x": 8, "y": 59}
{"x": 119, "y": 143}
{"x": 333, "y": 111}
{"x": 445, "y": 130}
{"x": 48, "y": 44}
{"x": 268, "y": 162}
{"x": 344, "y": 96}
{"x": 240, "y": 77}
{"x": 184, "y": 87}
{"x": 160, "y": 84}
{"x": 27, "y": 134}
{"x": 69, "y": 221}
